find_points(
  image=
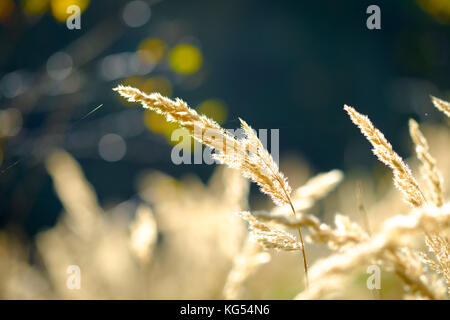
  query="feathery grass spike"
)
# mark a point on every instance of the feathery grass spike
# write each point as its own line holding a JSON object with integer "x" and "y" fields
{"x": 442, "y": 105}
{"x": 429, "y": 169}
{"x": 403, "y": 178}
{"x": 246, "y": 154}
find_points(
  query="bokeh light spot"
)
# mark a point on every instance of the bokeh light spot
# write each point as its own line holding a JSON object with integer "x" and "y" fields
{"x": 158, "y": 123}
{"x": 161, "y": 85}
{"x": 151, "y": 50}
{"x": 10, "y": 122}
{"x": 59, "y": 66}
{"x": 136, "y": 13}
{"x": 112, "y": 147}
{"x": 35, "y": 7}
{"x": 214, "y": 109}
{"x": 113, "y": 67}
{"x": 13, "y": 84}
{"x": 185, "y": 59}
{"x": 137, "y": 66}
{"x": 439, "y": 9}
{"x": 6, "y": 8}
{"x": 154, "y": 121}
{"x": 136, "y": 82}
{"x": 59, "y": 8}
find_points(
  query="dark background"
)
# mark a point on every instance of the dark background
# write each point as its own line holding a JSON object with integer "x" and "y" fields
{"x": 277, "y": 64}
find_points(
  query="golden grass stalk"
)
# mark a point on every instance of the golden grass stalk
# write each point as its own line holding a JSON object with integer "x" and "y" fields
{"x": 440, "y": 247}
{"x": 346, "y": 232}
{"x": 260, "y": 167}
{"x": 247, "y": 154}
{"x": 268, "y": 236}
{"x": 442, "y": 105}
{"x": 403, "y": 178}
{"x": 303, "y": 198}
{"x": 395, "y": 233}
{"x": 408, "y": 266}
{"x": 429, "y": 169}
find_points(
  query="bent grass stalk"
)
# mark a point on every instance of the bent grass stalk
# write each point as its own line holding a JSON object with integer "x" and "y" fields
{"x": 247, "y": 154}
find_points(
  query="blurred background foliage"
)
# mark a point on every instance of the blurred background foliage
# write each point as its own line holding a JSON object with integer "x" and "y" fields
{"x": 289, "y": 65}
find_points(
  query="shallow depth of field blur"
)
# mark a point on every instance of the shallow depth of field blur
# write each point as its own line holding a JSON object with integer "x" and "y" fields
{"x": 87, "y": 179}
